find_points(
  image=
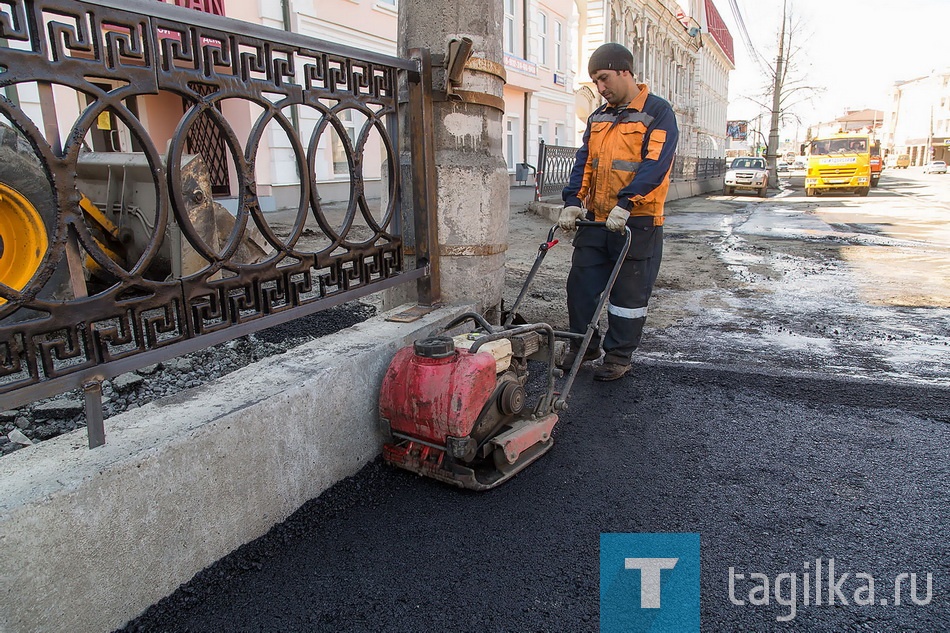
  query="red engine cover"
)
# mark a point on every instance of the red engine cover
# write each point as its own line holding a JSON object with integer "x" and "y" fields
{"x": 431, "y": 398}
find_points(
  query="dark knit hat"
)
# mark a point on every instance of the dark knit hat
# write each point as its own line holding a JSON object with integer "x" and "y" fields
{"x": 610, "y": 56}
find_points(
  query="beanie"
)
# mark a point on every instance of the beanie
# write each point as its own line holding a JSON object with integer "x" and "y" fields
{"x": 610, "y": 56}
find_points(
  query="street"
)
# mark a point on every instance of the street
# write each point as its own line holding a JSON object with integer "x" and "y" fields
{"x": 789, "y": 404}
{"x": 856, "y": 286}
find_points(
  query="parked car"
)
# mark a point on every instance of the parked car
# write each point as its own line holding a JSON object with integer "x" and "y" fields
{"x": 747, "y": 173}
{"x": 935, "y": 167}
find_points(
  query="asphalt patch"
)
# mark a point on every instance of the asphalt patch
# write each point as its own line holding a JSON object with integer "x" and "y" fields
{"x": 771, "y": 471}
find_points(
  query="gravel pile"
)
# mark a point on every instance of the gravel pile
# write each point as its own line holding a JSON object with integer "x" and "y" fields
{"x": 46, "y": 419}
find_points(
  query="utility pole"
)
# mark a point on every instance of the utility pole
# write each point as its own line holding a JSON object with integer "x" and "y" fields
{"x": 929, "y": 152}
{"x": 772, "y": 152}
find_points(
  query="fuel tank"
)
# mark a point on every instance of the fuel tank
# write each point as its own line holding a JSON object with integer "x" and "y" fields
{"x": 433, "y": 390}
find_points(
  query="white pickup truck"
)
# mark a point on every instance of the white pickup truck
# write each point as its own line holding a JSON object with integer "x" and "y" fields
{"x": 747, "y": 173}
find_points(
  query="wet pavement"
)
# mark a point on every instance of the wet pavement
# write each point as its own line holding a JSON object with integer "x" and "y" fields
{"x": 790, "y": 403}
{"x": 854, "y": 286}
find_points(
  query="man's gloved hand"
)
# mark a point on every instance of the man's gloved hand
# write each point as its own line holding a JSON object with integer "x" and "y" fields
{"x": 569, "y": 217}
{"x": 617, "y": 219}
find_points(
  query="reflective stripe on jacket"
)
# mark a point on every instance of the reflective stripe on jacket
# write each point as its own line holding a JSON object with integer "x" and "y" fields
{"x": 625, "y": 159}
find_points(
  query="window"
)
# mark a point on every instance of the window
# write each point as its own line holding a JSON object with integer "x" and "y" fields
{"x": 388, "y": 3}
{"x": 511, "y": 141}
{"x": 671, "y": 81}
{"x": 558, "y": 133}
{"x": 542, "y": 130}
{"x": 340, "y": 164}
{"x": 558, "y": 46}
{"x": 509, "y": 34}
{"x": 647, "y": 61}
{"x": 614, "y": 24}
{"x": 542, "y": 39}
{"x": 637, "y": 56}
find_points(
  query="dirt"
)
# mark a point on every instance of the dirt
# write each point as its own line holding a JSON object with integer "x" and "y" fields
{"x": 689, "y": 264}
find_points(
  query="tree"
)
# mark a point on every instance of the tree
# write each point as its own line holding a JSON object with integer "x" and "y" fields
{"x": 787, "y": 88}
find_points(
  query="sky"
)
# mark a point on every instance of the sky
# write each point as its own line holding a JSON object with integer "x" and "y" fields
{"x": 854, "y": 49}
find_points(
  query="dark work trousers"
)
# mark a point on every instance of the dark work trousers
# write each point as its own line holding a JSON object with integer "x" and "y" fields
{"x": 595, "y": 252}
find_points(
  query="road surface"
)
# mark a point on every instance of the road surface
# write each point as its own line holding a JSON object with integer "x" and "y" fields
{"x": 747, "y": 419}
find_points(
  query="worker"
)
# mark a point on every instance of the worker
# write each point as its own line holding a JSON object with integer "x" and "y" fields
{"x": 621, "y": 176}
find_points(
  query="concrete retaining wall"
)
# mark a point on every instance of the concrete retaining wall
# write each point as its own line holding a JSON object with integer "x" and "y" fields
{"x": 688, "y": 189}
{"x": 91, "y": 538}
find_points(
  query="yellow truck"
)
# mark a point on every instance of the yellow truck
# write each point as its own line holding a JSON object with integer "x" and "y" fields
{"x": 839, "y": 162}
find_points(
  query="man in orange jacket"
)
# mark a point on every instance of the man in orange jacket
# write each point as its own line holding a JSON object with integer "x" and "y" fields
{"x": 621, "y": 176}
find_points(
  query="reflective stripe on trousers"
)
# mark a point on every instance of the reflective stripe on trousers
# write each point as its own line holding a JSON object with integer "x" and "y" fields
{"x": 627, "y": 313}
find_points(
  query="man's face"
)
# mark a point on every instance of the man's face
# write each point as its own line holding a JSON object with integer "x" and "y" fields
{"x": 613, "y": 85}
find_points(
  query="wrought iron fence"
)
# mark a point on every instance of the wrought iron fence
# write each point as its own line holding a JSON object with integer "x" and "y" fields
{"x": 686, "y": 168}
{"x": 151, "y": 266}
{"x": 555, "y": 163}
{"x": 554, "y": 169}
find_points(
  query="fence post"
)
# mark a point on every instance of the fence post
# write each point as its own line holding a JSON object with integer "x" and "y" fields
{"x": 539, "y": 174}
{"x": 95, "y": 429}
{"x": 424, "y": 197}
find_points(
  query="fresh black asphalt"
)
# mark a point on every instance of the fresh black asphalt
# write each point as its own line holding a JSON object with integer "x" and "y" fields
{"x": 771, "y": 470}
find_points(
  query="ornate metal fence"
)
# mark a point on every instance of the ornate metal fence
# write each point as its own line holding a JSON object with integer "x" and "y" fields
{"x": 555, "y": 163}
{"x": 157, "y": 269}
{"x": 687, "y": 168}
{"x": 554, "y": 169}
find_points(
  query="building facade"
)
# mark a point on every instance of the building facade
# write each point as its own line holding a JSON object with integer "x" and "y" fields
{"x": 682, "y": 51}
{"x": 918, "y": 119}
{"x": 539, "y": 58}
{"x": 716, "y": 60}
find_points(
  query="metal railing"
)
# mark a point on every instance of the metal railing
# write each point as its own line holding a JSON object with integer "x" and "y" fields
{"x": 86, "y": 314}
{"x": 555, "y": 163}
{"x": 554, "y": 169}
{"x": 686, "y": 168}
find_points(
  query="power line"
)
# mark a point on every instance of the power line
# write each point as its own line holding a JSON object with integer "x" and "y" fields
{"x": 744, "y": 33}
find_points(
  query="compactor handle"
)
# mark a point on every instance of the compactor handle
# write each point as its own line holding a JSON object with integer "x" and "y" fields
{"x": 561, "y": 403}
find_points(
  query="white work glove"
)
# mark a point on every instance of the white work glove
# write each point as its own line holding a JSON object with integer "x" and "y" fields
{"x": 569, "y": 217}
{"x": 617, "y": 219}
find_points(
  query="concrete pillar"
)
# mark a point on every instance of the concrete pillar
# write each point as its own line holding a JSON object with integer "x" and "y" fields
{"x": 471, "y": 173}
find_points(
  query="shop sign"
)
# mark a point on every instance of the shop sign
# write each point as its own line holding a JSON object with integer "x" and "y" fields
{"x": 521, "y": 65}
{"x": 214, "y": 7}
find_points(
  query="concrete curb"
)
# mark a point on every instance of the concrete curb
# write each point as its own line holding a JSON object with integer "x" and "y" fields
{"x": 91, "y": 538}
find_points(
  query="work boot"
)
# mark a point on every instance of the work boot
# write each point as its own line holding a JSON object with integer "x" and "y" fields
{"x": 592, "y": 353}
{"x": 610, "y": 371}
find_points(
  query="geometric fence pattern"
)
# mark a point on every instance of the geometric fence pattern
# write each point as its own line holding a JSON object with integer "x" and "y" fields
{"x": 88, "y": 314}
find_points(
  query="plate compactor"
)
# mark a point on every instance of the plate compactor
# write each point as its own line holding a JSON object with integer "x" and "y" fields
{"x": 455, "y": 408}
